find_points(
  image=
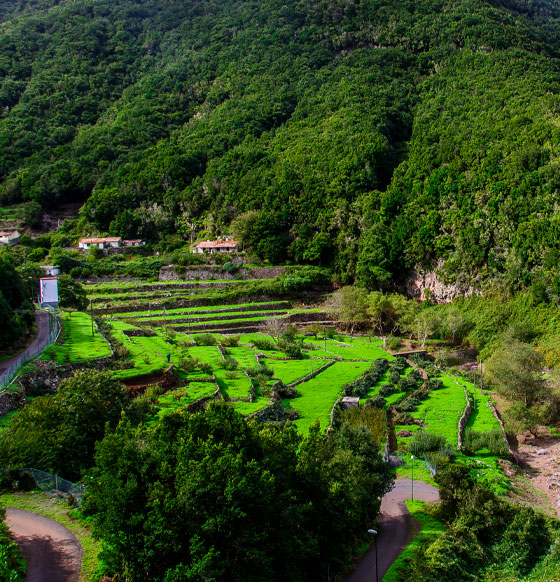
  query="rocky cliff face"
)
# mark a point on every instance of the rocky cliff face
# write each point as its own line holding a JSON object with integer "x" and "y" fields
{"x": 422, "y": 284}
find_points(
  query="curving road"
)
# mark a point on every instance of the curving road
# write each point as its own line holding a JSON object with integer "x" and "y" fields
{"x": 395, "y": 531}
{"x": 52, "y": 552}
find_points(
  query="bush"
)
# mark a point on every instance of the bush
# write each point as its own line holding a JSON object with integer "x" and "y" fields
{"x": 375, "y": 402}
{"x": 229, "y": 341}
{"x": 404, "y": 418}
{"x": 263, "y": 344}
{"x": 393, "y": 343}
{"x": 204, "y": 339}
{"x": 230, "y": 363}
{"x": 387, "y": 390}
{"x": 258, "y": 370}
{"x": 394, "y": 377}
{"x": 492, "y": 440}
{"x": 292, "y": 351}
{"x": 424, "y": 442}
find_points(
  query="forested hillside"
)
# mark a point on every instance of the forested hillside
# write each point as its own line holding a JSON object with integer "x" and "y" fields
{"x": 368, "y": 136}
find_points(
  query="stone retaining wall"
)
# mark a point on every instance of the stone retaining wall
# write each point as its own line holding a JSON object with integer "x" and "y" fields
{"x": 10, "y": 401}
{"x": 463, "y": 420}
{"x": 311, "y": 376}
{"x": 178, "y": 273}
{"x": 48, "y": 379}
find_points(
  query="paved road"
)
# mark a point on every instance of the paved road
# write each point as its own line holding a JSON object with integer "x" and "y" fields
{"x": 52, "y": 552}
{"x": 395, "y": 531}
{"x": 43, "y": 331}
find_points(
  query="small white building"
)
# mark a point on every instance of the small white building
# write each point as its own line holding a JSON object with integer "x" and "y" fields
{"x": 134, "y": 243}
{"x": 350, "y": 402}
{"x": 48, "y": 291}
{"x": 101, "y": 243}
{"x": 9, "y": 238}
{"x": 221, "y": 245}
{"x": 51, "y": 270}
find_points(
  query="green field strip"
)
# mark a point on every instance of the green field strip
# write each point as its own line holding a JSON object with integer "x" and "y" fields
{"x": 206, "y": 354}
{"x": 176, "y": 399}
{"x": 246, "y": 408}
{"x": 233, "y": 387}
{"x": 362, "y": 351}
{"x": 393, "y": 398}
{"x": 207, "y": 318}
{"x": 118, "y": 287}
{"x": 318, "y": 395}
{"x": 482, "y": 418}
{"x": 442, "y": 409}
{"x": 204, "y": 308}
{"x": 291, "y": 370}
{"x": 77, "y": 342}
{"x": 246, "y": 357}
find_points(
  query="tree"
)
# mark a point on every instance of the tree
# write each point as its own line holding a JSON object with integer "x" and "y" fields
{"x": 71, "y": 293}
{"x": 386, "y": 312}
{"x": 455, "y": 323}
{"x": 210, "y": 496}
{"x": 57, "y": 433}
{"x": 516, "y": 370}
{"x": 424, "y": 325}
{"x": 274, "y": 327}
{"x": 349, "y": 305}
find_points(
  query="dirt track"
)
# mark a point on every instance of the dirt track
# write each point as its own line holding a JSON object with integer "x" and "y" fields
{"x": 395, "y": 528}
{"x": 52, "y": 552}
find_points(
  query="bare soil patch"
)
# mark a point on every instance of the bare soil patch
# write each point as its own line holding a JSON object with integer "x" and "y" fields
{"x": 540, "y": 460}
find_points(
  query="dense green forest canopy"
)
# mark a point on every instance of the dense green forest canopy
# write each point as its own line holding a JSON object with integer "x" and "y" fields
{"x": 368, "y": 136}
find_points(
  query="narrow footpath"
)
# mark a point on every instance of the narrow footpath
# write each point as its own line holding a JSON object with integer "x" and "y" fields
{"x": 394, "y": 532}
{"x": 52, "y": 552}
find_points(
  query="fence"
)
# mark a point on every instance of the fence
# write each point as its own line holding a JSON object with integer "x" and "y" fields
{"x": 45, "y": 481}
{"x": 8, "y": 374}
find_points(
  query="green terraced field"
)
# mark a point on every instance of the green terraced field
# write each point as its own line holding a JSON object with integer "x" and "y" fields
{"x": 291, "y": 370}
{"x": 318, "y": 395}
{"x": 442, "y": 409}
{"x": 76, "y": 342}
{"x": 175, "y": 399}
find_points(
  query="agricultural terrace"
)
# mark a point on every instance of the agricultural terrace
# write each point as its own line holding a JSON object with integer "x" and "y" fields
{"x": 76, "y": 341}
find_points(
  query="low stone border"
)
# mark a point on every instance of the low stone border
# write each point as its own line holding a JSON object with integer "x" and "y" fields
{"x": 311, "y": 375}
{"x": 464, "y": 418}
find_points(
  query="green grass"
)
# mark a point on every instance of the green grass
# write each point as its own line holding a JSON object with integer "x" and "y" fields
{"x": 430, "y": 529}
{"x": 76, "y": 343}
{"x": 247, "y": 408}
{"x": 291, "y": 370}
{"x": 175, "y": 399}
{"x": 442, "y": 409}
{"x": 318, "y": 395}
{"x": 196, "y": 309}
{"x": 358, "y": 350}
{"x": 58, "y": 511}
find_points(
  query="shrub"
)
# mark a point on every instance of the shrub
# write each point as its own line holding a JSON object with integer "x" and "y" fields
{"x": 232, "y": 374}
{"x": 375, "y": 402}
{"x": 424, "y": 442}
{"x": 229, "y": 341}
{"x": 387, "y": 390}
{"x": 493, "y": 440}
{"x": 393, "y": 343}
{"x": 394, "y": 376}
{"x": 292, "y": 351}
{"x": 404, "y": 418}
{"x": 204, "y": 367}
{"x": 263, "y": 344}
{"x": 230, "y": 363}
{"x": 204, "y": 339}
{"x": 258, "y": 370}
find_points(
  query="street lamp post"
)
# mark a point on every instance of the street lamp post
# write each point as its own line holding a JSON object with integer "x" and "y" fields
{"x": 373, "y": 532}
{"x": 412, "y": 487}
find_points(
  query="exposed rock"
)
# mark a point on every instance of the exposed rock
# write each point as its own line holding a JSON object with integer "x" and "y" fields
{"x": 404, "y": 433}
{"x": 423, "y": 284}
{"x": 542, "y": 452}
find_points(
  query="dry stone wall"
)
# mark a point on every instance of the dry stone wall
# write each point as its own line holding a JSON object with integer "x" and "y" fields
{"x": 176, "y": 273}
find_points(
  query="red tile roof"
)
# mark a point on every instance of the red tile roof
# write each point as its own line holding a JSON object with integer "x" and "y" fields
{"x": 217, "y": 244}
{"x": 100, "y": 240}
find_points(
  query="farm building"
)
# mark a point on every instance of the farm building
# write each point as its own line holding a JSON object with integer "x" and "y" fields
{"x": 133, "y": 243}
{"x": 48, "y": 290}
{"x": 102, "y": 243}
{"x": 221, "y": 245}
{"x": 9, "y": 237}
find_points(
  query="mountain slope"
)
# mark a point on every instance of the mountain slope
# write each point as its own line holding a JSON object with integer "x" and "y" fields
{"x": 367, "y": 135}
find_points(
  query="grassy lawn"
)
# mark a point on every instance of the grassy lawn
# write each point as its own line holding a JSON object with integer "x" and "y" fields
{"x": 291, "y": 370}
{"x": 76, "y": 341}
{"x": 430, "y": 529}
{"x": 247, "y": 408}
{"x": 318, "y": 395}
{"x": 357, "y": 350}
{"x": 246, "y": 357}
{"x": 442, "y": 410}
{"x": 60, "y": 512}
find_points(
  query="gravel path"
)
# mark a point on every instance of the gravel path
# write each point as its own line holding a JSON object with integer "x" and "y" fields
{"x": 395, "y": 528}
{"x": 52, "y": 552}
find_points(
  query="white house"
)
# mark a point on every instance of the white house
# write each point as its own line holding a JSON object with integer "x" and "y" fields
{"x": 134, "y": 243}
{"x": 48, "y": 291}
{"x": 9, "y": 237}
{"x": 221, "y": 245}
{"x": 101, "y": 243}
